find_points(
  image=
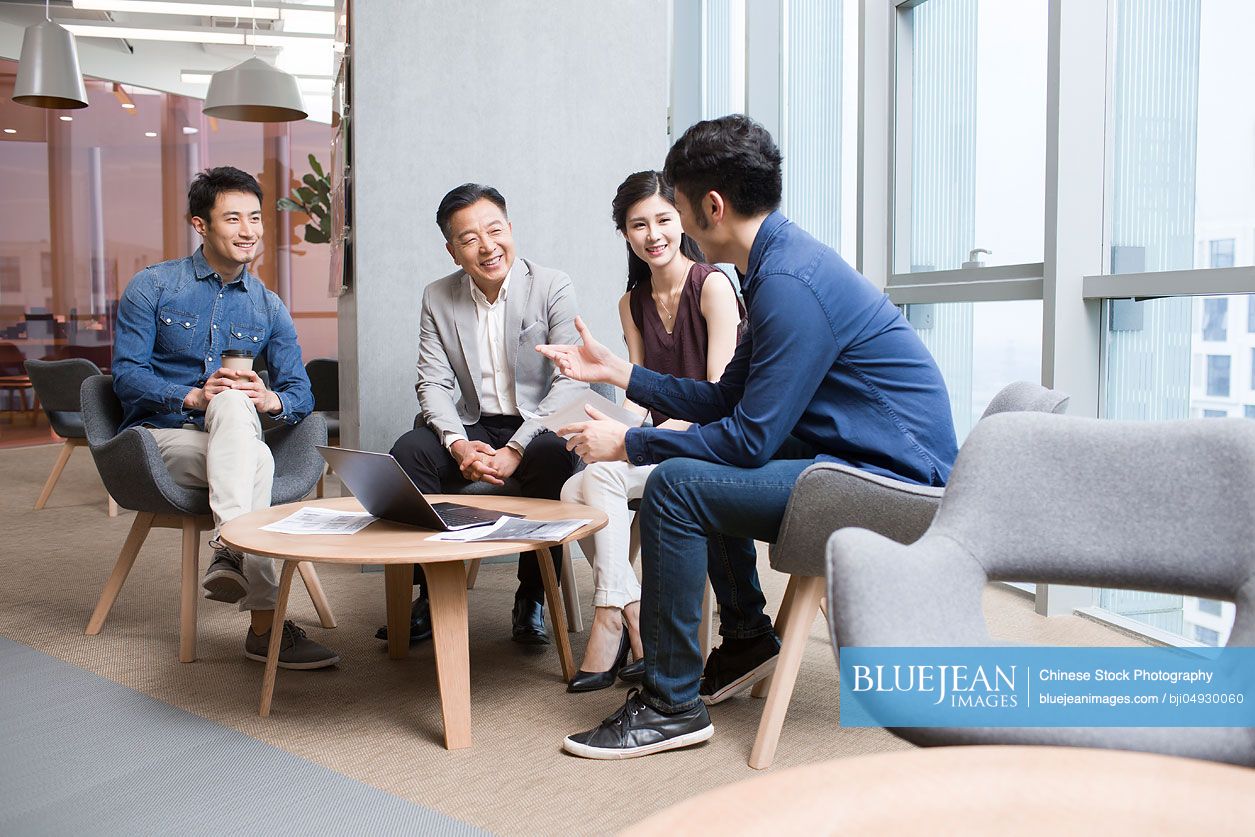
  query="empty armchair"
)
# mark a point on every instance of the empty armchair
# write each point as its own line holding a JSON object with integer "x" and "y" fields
{"x": 57, "y": 384}
{"x": 133, "y": 472}
{"x": 1156, "y": 506}
{"x": 829, "y": 497}
{"x": 324, "y": 383}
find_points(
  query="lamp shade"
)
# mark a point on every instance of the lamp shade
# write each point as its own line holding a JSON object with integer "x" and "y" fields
{"x": 48, "y": 75}
{"x": 254, "y": 91}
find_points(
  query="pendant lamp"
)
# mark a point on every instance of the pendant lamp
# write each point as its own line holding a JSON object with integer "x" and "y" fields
{"x": 254, "y": 91}
{"x": 48, "y": 75}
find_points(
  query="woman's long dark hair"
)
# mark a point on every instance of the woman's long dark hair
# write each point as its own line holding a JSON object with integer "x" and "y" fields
{"x": 638, "y": 187}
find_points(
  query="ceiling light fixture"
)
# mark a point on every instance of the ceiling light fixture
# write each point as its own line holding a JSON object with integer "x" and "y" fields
{"x": 254, "y": 91}
{"x": 173, "y": 8}
{"x": 10, "y": 130}
{"x": 150, "y": 133}
{"x": 48, "y": 75}
{"x": 124, "y": 98}
{"x": 66, "y": 118}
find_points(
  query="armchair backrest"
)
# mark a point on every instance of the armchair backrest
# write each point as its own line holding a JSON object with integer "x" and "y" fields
{"x": 58, "y": 382}
{"x": 102, "y": 411}
{"x": 1156, "y": 506}
{"x": 1026, "y": 397}
{"x": 324, "y": 382}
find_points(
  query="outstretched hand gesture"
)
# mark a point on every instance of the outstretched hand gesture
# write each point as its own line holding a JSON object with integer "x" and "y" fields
{"x": 590, "y": 362}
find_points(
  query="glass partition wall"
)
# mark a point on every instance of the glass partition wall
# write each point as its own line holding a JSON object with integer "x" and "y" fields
{"x": 92, "y": 196}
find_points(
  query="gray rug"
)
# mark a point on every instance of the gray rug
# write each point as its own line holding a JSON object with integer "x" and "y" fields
{"x": 83, "y": 755}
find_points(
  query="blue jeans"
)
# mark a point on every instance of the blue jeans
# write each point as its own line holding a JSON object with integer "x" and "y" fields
{"x": 699, "y": 518}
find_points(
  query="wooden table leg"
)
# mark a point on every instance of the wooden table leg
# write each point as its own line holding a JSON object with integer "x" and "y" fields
{"x": 557, "y": 615}
{"x": 398, "y": 582}
{"x": 276, "y": 637}
{"x": 446, "y": 585}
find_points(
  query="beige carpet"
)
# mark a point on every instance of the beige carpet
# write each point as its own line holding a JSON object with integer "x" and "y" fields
{"x": 377, "y": 720}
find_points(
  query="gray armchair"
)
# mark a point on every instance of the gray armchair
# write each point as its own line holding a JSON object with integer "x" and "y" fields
{"x": 134, "y": 474}
{"x": 57, "y": 384}
{"x": 829, "y": 497}
{"x": 1156, "y": 506}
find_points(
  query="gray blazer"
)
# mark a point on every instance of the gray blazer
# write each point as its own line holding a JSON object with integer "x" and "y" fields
{"x": 540, "y": 308}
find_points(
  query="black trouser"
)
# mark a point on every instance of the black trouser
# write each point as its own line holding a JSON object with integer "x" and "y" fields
{"x": 545, "y": 467}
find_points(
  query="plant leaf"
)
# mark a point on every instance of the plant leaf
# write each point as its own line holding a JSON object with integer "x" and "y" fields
{"x": 313, "y": 164}
{"x": 318, "y": 211}
{"x": 310, "y": 181}
{"x": 286, "y": 205}
{"x": 306, "y": 194}
{"x": 313, "y": 235}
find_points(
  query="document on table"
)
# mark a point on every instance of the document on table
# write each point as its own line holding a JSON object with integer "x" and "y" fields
{"x": 514, "y": 529}
{"x": 572, "y": 411}
{"x": 315, "y": 521}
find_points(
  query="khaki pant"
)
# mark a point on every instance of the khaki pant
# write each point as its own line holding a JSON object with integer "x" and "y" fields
{"x": 230, "y": 459}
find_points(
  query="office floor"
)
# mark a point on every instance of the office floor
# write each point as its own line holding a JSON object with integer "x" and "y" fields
{"x": 377, "y": 721}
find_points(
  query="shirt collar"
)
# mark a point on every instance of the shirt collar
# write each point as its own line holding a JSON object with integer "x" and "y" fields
{"x": 202, "y": 270}
{"x": 770, "y": 226}
{"x": 478, "y": 295}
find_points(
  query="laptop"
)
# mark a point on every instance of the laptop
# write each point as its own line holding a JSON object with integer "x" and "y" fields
{"x": 385, "y": 490}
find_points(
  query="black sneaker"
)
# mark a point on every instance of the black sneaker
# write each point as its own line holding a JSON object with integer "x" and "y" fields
{"x": 736, "y": 665}
{"x": 224, "y": 580}
{"x": 638, "y": 729}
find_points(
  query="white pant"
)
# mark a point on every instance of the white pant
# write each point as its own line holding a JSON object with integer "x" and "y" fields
{"x": 608, "y": 486}
{"x": 231, "y": 460}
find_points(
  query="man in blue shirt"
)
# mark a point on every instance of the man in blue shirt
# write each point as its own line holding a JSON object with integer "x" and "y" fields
{"x": 828, "y": 370}
{"x": 175, "y": 322}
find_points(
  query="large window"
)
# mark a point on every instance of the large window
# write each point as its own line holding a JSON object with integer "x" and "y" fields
{"x": 90, "y": 197}
{"x": 1215, "y": 319}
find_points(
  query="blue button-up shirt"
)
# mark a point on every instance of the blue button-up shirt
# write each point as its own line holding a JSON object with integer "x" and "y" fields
{"x": 175, "y": 320}
{"x": 826, "y": 358}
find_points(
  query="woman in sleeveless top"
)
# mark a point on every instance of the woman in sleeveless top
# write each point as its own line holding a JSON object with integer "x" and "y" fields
{"x": 680, "y": 317}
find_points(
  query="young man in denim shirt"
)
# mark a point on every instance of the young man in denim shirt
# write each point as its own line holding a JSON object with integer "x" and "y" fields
{"x": 175, "y": 321}
{"x": 827, "y": 370}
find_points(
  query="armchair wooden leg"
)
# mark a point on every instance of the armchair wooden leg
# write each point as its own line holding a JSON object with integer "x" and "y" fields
{"x": 472, "y": 573}
{"x": 67, "y": 448}
{"x": 319, "y": 489}
{"x": 801, "y": 614}
{"x": 316, "y": 595}
{"x": 570, "y": 594}
{"x": 782, "y": 617}
{"x": 189, "y": 590}
{"x": 121, "y": 568}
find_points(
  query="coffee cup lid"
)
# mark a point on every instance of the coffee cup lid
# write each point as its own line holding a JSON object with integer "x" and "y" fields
{"x": 237, "y": 353}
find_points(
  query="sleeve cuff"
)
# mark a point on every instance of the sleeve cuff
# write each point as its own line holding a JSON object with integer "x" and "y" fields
{"x": 285, "y": 410}
{"x": 641, "y": 384}
{"x": 636, "y": 445}
{"x": 175, "y": 396}
{"x": 515, "y": 446}
{"x": 448, "y": 439}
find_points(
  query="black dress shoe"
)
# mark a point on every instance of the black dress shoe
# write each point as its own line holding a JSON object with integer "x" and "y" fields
{"x": 529, "y": 622}
{"x": 633, "y": 672}
{"x": 591, "y": 681}
{"x": 639, "y": 729}
{"x": 420, "y": 622}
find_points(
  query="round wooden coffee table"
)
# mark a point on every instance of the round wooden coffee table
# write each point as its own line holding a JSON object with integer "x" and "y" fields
{"x": 976, "y": 790}
{"x": 398, "y": 548}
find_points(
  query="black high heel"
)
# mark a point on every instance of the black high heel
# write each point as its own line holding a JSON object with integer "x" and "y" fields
{"x": 633, "y": 672}
{"x": 592, "y": 681}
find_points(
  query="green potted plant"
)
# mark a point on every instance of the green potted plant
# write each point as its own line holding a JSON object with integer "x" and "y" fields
{"x": 313, "y": 197}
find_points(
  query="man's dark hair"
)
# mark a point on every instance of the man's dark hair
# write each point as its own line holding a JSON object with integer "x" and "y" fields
{"x": 732, "y": 155}
{"x": 209, "y": 184}
{"x": 462, "y": 197}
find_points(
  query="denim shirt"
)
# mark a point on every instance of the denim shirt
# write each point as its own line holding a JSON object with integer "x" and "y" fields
{"x": 825, "y": 358}
{"x": 174, "y": 321}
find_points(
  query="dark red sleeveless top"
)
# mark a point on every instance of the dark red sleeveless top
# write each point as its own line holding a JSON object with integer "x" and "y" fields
{"x": 681, "y": 353}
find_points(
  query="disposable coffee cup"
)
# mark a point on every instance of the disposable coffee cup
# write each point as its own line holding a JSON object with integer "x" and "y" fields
{"x": 237, "y": 360}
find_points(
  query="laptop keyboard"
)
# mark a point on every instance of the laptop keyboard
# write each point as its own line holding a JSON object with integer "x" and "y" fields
{"x": 460, "y": 516}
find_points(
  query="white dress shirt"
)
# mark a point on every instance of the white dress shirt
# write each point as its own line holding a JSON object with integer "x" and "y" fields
{"x": 496, "y": 378}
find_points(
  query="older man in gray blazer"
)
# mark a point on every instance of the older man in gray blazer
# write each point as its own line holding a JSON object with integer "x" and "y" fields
{"x": 478, "y": 370}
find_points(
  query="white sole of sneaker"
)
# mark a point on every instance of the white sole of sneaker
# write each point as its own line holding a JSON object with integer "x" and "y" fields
{"x": 330, "y": 661}
{"x": 687, "y": 740}
{"x": 742, "y": 683}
